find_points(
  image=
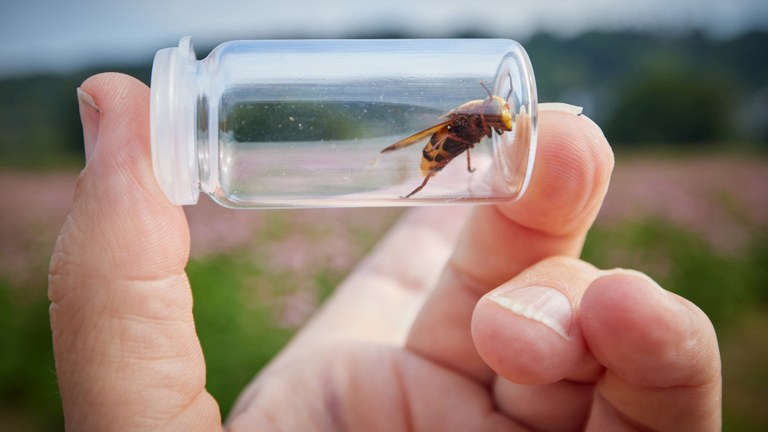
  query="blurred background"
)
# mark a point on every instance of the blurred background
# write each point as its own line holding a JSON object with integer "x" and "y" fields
{"x": 680, "y": 88}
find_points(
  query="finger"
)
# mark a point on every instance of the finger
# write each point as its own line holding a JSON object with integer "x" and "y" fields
{"x": 573, "y": 167}
{"x": 527, "y": 331}
{"x": 661, "y": 354}
{"x": 127, "y": 356}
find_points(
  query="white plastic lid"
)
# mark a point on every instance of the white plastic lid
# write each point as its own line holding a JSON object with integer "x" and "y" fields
{"x": 172, "y": 123}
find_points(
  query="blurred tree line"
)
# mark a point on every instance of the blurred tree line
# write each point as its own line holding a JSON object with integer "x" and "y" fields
{"x": 643, "y": 88}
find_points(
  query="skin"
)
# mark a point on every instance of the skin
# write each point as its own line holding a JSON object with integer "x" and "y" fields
{"x": 418, "y": 337}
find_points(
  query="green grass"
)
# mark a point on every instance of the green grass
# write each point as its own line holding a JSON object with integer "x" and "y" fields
{"x": 723, "y": 285}
{"x": 731, "y": 289}
{"x": 237, "y": 315}
{"x": 240, "y": 303}
{"x": 238, "y": 336}
{"x": 29, "y": 396}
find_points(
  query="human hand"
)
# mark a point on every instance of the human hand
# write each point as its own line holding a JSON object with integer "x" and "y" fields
{"x": 388, "y": 351}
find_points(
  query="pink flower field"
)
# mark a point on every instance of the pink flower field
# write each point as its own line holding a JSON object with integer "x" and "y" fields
{"x": 721, "y": 198}
{"x": 261, "y": 274}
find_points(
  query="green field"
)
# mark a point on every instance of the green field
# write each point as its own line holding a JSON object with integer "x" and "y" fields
{"x": 699, "y": 225}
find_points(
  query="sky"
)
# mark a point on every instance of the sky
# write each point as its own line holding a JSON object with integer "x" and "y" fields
{"x": 63, "y": 35}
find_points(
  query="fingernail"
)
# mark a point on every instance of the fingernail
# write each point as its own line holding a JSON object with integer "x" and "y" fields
{"x": 633, "y": 273}
{"x": 538, "y": 303}
{"x": 89, "y": 117}
{"x": 561, "y": 107}
{"x": 569, "y": 109}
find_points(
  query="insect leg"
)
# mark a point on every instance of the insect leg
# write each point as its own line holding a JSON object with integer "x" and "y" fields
{"x": 469, "y": 163}
{"x": 421, "y": 186}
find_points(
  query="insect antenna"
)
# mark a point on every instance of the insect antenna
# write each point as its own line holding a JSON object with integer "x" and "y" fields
{"x": 515, "y": 102}
{"x": 511, "y": 87}
{"x": 490, "y": 95}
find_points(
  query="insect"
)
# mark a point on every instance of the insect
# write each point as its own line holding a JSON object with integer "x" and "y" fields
{"x": 459, "y": 131}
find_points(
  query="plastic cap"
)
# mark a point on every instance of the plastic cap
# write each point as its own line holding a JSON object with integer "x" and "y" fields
{"x": 172, "y": 123}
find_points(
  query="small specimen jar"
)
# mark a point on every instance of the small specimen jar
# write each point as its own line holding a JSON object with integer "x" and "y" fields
{"x": 332, "y": 123}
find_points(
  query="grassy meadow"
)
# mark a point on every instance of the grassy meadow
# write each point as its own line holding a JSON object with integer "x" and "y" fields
{"x": 698, "y": 224}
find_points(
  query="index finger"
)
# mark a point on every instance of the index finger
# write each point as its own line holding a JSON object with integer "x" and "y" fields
{"x": 573, "y": 168}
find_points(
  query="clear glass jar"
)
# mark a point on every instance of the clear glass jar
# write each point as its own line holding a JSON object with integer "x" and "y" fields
{"x": 304, "y": 123}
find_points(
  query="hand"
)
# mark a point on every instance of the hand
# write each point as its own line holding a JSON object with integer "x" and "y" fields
{"x": 461, "y": 319}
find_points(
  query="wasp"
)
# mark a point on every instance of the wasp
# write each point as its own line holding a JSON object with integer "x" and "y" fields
{"x": 459, "y": 131}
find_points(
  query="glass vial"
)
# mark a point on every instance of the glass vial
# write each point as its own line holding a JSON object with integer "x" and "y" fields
{"x": 305, "y": 123}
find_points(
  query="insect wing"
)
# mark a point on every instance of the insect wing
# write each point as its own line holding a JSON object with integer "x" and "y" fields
{"x": 418, "y": 136}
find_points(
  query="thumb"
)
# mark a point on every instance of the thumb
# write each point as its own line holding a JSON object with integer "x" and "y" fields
{"x": 127, "y": 356}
